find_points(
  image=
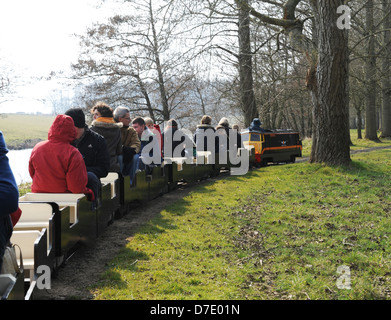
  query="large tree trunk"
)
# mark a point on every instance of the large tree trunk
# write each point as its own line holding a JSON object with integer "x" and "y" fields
{"x": 370, "y": 71}
{"x": 245, "y": 67}
{"x": 386, "y": 83}
{"x": 331, "y": 110}
{"x": 327, "y": 78}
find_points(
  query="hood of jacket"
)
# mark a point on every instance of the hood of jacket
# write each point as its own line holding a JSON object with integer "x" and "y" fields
{"x": 62, "y": 129}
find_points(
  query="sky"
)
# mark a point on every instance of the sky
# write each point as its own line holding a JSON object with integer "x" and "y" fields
{"x": 36, "y": 37}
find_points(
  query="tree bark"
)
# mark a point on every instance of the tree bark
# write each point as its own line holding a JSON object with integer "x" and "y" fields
{"x": 331, "y": 111}
{"x": 386, "y": 83}
{"x": 327, "y": 77}
{"x": 370, "y": 74}
{"x": 245, "y": 67}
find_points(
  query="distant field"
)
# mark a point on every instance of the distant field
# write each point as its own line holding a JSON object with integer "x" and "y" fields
{"x": 17, "y": 128}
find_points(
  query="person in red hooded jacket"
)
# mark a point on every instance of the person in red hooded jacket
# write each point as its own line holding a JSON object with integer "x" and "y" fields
{"x": 56, "y": 166}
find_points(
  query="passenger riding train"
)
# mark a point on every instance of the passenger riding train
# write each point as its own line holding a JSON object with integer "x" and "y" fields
{"x": 52, "y": 226}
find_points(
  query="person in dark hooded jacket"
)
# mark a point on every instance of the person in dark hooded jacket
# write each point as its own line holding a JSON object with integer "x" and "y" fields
{"x": 93, "y": 148}
{"x": 55, "y": 165}
{"x": 91, "y": 145}
{"x": 9, "y": 197}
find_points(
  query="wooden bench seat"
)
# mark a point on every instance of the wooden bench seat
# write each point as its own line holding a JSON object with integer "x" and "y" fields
{"x": 62, "y": 199}
{"x": 82, "y": 218}
{"x": 33, "y": 244}
{"x": 37, "y": 216}
{"x": 113, "y": 179}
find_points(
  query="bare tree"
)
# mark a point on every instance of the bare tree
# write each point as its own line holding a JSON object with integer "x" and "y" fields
{"x": 4, "y": 86}
{"x": 5, "y": 81}
{"x": 229, "y": 40}
{"x": 140, "y": 58}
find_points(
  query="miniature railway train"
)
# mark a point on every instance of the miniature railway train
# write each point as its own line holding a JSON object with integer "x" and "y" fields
{"x": 53, "y": 225}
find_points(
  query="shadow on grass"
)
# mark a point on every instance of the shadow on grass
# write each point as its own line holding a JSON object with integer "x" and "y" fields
{"x": 161, "y": 223}
{"x": 128, "y": 260}
{"x": 157, "y": 225}
{"x": 360, "y": 169}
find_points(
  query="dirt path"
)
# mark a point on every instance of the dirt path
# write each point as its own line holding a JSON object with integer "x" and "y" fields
{"x": 85, "y": 266}
{"x": 370, "y": 149}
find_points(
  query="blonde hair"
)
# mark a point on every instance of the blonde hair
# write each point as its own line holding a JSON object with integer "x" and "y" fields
{"x": 148, "y": 120}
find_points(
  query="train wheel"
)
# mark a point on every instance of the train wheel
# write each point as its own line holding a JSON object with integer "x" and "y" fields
{"x": 293, "y": 159}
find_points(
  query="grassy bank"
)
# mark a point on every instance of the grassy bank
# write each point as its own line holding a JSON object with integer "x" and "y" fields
{"x": 19, "y": 128}
{"x": 24, "y": 188}
{"x": 280, "y": 232}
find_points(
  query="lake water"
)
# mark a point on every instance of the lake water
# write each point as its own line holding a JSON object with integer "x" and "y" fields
{"x": 19, "y": 163}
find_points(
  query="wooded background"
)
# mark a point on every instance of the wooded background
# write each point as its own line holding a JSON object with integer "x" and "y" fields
{"x": 316, "y": 66}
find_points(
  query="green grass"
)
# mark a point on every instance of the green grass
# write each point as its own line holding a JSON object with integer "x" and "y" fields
{"x": 18, "y": 128}
{"x": 24, "y": 188}
{"x": 358, "y": 144}
{"x": 280, "y": 232}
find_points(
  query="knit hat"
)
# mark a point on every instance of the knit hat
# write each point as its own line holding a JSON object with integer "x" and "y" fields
{"x": 78, "y": 117}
